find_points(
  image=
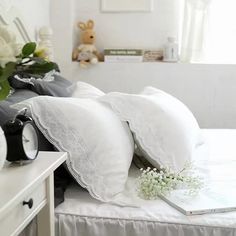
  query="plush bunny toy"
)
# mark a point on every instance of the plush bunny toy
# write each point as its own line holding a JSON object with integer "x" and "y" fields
{"x": 86, "y": 52}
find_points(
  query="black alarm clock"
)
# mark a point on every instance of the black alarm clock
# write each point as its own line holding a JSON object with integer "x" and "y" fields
{"x": 22, "y": 138}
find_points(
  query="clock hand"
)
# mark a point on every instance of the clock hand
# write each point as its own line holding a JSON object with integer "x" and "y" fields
{"x": 25, "y": 139}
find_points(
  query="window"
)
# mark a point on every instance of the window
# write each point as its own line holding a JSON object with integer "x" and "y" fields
{"x": 209, "y": 31}
{"x": 220, "y": 36}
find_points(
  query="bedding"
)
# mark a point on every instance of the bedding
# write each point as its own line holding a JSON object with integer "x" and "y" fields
{"x": 84, "y": 216}
{"x": 7, "y": 112}
{"x": 100, "y": 147}
{"x": 85, "y": 90}
{"x": 164, "y": 129}
{"x": 52, "y": 84}
{"x": 55, "y": 85}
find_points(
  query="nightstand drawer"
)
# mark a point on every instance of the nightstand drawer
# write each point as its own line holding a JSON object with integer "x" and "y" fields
{"x": 25, "y": 210}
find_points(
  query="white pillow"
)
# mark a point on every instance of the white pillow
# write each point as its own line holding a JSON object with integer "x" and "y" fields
{"x": 85, "y": 90}
{"x": 164, "y": 128}
{"x": 99, "y": 145}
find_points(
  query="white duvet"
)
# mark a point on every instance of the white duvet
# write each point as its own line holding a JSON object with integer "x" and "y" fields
{"x": 82, "y": 215}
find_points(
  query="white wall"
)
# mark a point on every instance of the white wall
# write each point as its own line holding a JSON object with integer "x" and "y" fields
{"x": 144, "y": 30}
{"x": 35, "y": 13}
{"x": 208, "y": 90}
{"x": 62, "y": 22}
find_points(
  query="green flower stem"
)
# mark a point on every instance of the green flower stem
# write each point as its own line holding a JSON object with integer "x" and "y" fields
{"x": 4, "y": 89}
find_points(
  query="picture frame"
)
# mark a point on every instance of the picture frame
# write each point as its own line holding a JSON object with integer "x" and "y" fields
{"x": 119, "y": 6}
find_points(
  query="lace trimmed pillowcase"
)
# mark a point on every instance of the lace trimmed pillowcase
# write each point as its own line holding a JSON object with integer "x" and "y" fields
{"x": 100, "y": 147}
{"x": 164, "y": 129}
{"x": 85, "y": 90}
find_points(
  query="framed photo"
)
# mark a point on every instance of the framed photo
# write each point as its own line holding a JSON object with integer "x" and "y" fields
{"x": 126, "y": 5}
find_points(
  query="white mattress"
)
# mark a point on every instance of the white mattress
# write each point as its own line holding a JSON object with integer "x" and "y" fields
{"x": 81, "y": 215}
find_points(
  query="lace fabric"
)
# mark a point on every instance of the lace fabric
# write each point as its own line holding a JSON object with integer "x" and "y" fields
{"x": 164, "y": 129}
{"x": 98, "y": 162}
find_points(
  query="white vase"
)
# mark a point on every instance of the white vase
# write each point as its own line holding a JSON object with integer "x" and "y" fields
{"x": 3, "y": 148}
{"x": 170, "y": 52}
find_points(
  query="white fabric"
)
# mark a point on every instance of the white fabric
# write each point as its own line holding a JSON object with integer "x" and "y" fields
{"x": 84, "y": 216}
{"x": 194, "y": 27}
{"x": 100, "y": 146}
{"x": 164, "y": 129}
{"x": 3, "y": 148}
{"x": 85, "y": 90}
{"x": 86, "y": 48}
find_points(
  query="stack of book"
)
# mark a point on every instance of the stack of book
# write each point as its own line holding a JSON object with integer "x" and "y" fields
{"x": 152, "y": 55}
{"x": 123, "y": 55}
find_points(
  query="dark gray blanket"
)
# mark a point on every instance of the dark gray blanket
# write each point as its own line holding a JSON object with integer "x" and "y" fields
{"x": 53, "y": 85}
{"x": 6, "y": 113}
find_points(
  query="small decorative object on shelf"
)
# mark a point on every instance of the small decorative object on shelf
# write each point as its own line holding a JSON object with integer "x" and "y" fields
{"x": 3, "y": 148}
{"x": 45, "y": 45}
{"x": 123, "y": 55}
{"x": 170, "y": 53}
{"x": 86, "y": 53}
{"x": 153, "y": 183}
{"x": 24, "y": 60}
{"x": 152, "y": 55}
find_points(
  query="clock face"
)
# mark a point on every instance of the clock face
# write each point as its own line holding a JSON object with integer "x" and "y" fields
{"x": 30, "y": 141}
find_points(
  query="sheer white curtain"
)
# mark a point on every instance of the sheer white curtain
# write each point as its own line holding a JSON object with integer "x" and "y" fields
{"x": 209, "y": 31}
{"x": 220, "y": 38}
{"x": 195, "y": 17}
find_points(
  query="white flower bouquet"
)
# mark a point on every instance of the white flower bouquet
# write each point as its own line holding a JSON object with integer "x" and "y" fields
{"x": 15, "y": 59}
{"x": 153, "y": 183}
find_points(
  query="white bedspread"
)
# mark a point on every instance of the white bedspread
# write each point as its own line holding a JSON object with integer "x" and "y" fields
{"x": 81, "y": 215}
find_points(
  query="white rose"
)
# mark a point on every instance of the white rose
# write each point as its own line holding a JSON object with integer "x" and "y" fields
{"x": 7, "y": 53}
{"x": 8, "y": 35}
{"x": 9, "y": 49}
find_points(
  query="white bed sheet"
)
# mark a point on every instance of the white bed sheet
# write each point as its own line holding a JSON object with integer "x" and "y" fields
{"x": 81, "y": 215}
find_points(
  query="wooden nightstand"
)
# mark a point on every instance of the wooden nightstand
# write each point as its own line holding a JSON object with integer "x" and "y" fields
{"x": 27, "y": 191}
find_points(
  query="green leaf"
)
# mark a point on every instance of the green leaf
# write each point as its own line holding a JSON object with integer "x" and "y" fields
{"x": 6, "y": 72}
{"x": 38, "y": 60}
{"x": 28, "y": 49}
{"x": 4, "y": 89}
{"x": 41, "y": 69}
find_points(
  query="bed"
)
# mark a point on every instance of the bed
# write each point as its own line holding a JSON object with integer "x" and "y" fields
{"x": 80, "y": 214}
{"x": 84, "y": 215}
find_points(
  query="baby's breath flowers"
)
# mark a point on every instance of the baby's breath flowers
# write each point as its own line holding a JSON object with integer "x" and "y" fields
{"x": 153, "y": 183}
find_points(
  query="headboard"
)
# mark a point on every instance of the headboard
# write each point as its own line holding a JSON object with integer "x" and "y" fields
{"x": 13, "y": 20}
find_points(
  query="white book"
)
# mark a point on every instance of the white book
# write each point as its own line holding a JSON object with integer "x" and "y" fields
{"x": 123, "y": 52}
{"x": 123, "y": 58}
{"x": 203, "y": 203}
